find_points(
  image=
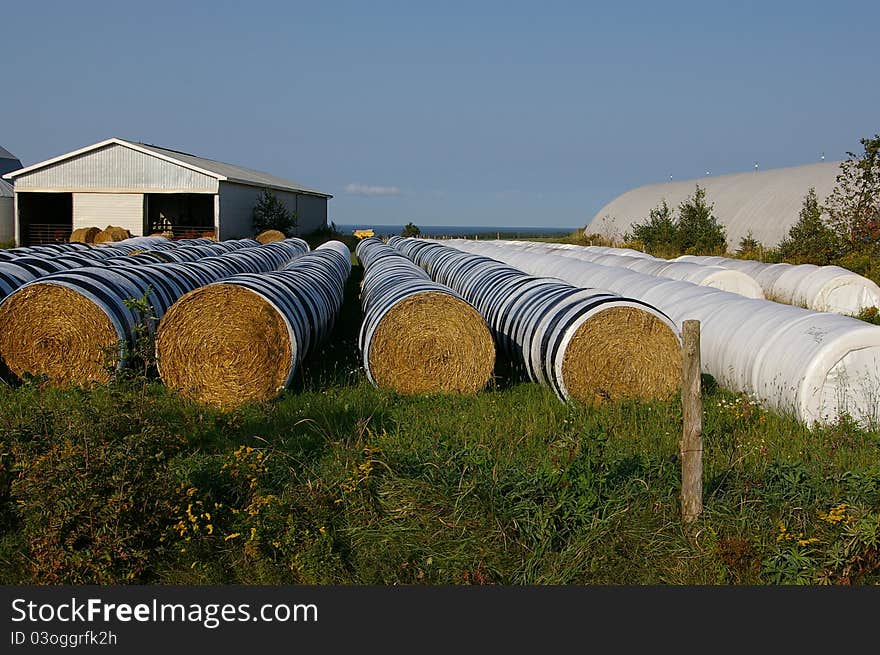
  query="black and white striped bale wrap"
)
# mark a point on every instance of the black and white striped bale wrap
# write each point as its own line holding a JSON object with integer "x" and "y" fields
{"x": 241, "y": 339}
{"x": 586, "y": 344}
{"x": 77, "y": 326}
{"x": 418, "y": 336}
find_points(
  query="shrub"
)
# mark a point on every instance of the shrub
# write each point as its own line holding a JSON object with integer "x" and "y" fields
{"x": 864, "y": 261}
{"x": 750, "y": 248}
{"x": 272, "y": 214}
{"x": 854, "y": 205}
{"x": 241, "y": 516}
{"x": 659, "y": 233}
{"x": 592, "y": 239}
{"x": 410, "y": 230}
{"x": 92, "y": 508}
{"x": 698, "y": 230}
{"x": 811, "y": 240}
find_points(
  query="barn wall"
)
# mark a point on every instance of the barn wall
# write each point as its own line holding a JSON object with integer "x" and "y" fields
{"x": 116, "y": 168}
{"x": 237, "y": 207}
{"x": 7, "y": 219}
{"x": 102, "y": 209}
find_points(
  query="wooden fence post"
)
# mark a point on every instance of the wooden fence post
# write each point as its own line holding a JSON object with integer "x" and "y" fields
{"x": 692, "y": 424}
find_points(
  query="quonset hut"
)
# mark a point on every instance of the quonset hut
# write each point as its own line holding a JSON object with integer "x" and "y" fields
{"x": 765, "y": 203}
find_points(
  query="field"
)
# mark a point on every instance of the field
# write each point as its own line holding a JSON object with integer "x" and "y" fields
{"x": 337, "y": 482}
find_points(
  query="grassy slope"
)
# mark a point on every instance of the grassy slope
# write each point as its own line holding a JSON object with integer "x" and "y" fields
{"x": 349, "y": 484}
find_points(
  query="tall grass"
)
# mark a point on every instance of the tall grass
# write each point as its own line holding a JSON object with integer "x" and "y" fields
{"x": 338, "y": 482}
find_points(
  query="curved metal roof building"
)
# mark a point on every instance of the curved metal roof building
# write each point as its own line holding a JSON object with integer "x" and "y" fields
{"x": 766, "y": 203}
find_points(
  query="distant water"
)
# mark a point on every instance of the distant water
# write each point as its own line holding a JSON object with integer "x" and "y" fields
{"x": 460, "y": 230}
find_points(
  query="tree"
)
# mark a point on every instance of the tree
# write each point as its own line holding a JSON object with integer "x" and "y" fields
{"x": 749, "y": 247}
{"x": 811, "y": 240}
{"x": 271, "y": 214}
{"x": 410, "y": 230}
{"x": 699, "y": 232}
{"x": 659, "y": 232}
{"x": 854, "y": 205}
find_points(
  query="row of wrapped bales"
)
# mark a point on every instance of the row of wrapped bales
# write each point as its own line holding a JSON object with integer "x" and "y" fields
{"x": 714, "y": 277}
{"x": 820, "y": 288}
{"x": 418, "y": 336}
{"x": 27, "y": 266}
{"x": 815, "y": 366}
{"x": 45, "y": 250}
{"x": 241, "y": 339}
{"x": 586, "y": 344}
{"x": 77, "y": 326}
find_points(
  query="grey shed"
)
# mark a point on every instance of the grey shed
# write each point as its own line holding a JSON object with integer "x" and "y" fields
{"x": 8, "y": 163}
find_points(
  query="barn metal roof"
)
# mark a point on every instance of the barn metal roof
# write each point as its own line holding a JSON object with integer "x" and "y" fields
{"x": 5, "y": 154}
{"x": 219, "y": 170}
{"x": 6, "y": 189}
{"x": 765, "y": 203}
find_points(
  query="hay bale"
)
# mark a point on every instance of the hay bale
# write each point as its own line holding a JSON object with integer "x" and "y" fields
{"x": 84, "y": 234}
{"x": 112, "y": 233}
{"x": 431, "y": 342}
{"x": 269, "y": 236}
{"x": 224, "y": 345}
{"x": 50, "y": 330}
{"x": 622, "y": 353}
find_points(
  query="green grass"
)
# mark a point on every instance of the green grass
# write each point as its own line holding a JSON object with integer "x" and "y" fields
{"x": 338, "y": 482}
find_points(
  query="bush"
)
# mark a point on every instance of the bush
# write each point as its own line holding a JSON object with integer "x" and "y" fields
{"x": 696, "y": 231}
{"x": 750, "y": 248}
{"x": 272, "y": 214}
{"x": 864, "y": 261}
{"x": 330, "y": 233}
{"x": 92, "y": 508}
{"x": 811, "y": 240}
{"x": 699, "y": 232}
{"x": 659, "y": 233}
{"x": 410, "y": 230}
{"x": 854, "y": 205}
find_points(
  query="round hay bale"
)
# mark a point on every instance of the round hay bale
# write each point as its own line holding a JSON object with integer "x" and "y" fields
{"x": 588, "y": 345}
{"x": 50, "y": 330}
{"x": 621, "y": 353}
{"x": 84, "y": 234}
{"x": 224, "y": 345}
{"x": 112, "y": 233}
{"x": 269, "y": 236}
{"x": 431, "y": 342}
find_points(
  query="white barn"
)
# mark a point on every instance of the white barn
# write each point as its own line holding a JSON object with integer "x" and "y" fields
{"x": 147, "y": 189}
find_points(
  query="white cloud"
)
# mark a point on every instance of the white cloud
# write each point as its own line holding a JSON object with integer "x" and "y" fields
{"x": 356, "y": 189}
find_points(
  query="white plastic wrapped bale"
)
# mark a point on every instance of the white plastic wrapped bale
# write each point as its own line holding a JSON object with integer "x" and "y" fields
{"x": 241, "y": 339}
{"x": 715, "y": 277}
{"x": 418, "y": 336}
{"x": 816, "y": 366}
{"x": 820, "y": 288}
{"x": 77, "y": 326}
{"x": 588, "y": 345}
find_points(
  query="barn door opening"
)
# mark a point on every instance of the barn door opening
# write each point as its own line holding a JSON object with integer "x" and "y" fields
{"x": 44, "y": 218}
{"x": 181, "y": 215}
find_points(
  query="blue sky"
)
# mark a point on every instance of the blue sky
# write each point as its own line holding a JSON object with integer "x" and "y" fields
{"x": 471, "y": 113}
